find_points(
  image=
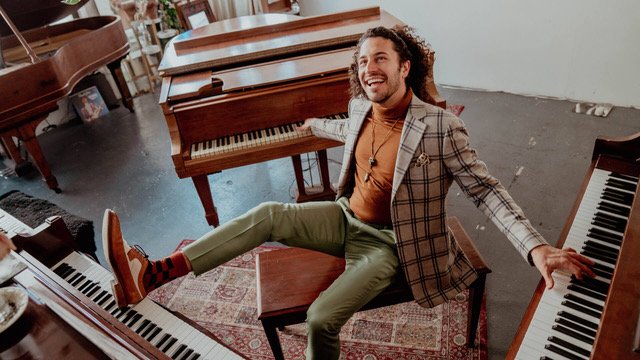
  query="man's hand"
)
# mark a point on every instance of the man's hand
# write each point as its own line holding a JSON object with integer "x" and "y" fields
{"x": 306, "y": 126}
{"x": 547, "y": 259}
{"x": 5, "y": 245}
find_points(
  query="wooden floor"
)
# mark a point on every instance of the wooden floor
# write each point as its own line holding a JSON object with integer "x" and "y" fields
{"x": 122, "y": 162}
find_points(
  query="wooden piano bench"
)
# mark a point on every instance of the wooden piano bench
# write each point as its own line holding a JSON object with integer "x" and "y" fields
{"x": 289, "y": 280}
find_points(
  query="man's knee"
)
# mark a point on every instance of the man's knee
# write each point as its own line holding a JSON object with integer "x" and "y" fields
{"x": 267, "y": 209}
{"x": 321, "y": 320}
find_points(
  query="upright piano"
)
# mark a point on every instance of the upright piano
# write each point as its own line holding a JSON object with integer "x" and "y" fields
{"x": 72, "y": 312}
{"x": 594, "y": 318}
{"x": 232, "y": 91}
{"x": 41, "y": 63}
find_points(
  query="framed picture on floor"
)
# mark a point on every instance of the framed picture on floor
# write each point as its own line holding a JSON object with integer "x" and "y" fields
{"x": 89, "y": 104}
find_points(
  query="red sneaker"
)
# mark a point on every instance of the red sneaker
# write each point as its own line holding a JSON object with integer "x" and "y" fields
{"x": 128, "y": 264}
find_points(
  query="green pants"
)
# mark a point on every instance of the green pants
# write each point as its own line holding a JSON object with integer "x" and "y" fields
{"x": 330, "y": 227}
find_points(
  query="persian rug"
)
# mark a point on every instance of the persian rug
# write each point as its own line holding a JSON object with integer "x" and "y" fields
{"x": 223, "y": 301}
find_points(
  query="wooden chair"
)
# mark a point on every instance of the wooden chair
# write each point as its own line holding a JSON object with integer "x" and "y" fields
{"x": 289, "y": 280}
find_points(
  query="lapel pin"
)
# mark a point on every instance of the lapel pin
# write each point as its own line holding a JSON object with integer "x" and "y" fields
{"x": 422, "y": 160}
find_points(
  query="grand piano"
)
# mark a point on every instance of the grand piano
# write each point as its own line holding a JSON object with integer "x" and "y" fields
{"x": 72, "y": 313}
{"x": 232, "y": 92}
{"x": 41, "y": 63}
{"x": 594, "y": 318}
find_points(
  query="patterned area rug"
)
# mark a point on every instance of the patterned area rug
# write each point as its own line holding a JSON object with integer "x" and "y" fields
{"x": 224, "y": 302}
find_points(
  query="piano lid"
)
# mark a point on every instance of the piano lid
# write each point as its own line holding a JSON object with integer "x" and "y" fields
{"x": 249, "y": 39}
{"x": 29, "y": 14}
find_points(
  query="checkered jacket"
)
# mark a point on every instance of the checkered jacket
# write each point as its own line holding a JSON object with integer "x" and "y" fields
{"x": 434, "y": 151}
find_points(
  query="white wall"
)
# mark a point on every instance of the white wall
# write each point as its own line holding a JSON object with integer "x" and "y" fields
{"x": 586, "y": 50}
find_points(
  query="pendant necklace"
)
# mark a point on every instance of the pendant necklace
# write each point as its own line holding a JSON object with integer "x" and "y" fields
{"x": 372, "y": 159}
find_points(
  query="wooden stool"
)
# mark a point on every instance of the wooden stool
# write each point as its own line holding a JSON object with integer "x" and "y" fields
{"x": 289, "y": 280}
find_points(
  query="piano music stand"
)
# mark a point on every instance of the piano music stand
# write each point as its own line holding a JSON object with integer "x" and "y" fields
{"x": 287, "y": 287}
{"x": 188, "y": 8}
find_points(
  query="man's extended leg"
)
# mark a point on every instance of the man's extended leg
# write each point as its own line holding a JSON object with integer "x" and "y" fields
{"x": 371, "y": 266}
{"x": 318, "y": 226}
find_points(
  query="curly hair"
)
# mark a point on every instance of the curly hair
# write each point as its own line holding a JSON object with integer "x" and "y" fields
{"x": 409, "y": 46}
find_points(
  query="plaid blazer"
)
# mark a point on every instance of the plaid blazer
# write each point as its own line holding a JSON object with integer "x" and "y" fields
{"x": 434, "y": 151}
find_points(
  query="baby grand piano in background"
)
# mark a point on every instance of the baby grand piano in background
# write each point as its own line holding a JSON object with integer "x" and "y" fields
{"x": 232, "y": 90}
{"x": 36, "y": 76}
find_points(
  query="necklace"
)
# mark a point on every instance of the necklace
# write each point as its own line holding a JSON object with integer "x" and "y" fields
{"x": 372, "y": 159}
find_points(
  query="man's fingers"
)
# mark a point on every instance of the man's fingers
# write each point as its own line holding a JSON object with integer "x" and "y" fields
{"x": 548, "y": 280}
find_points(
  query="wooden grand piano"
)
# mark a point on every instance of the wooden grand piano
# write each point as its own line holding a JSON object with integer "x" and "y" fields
{"x": 595, "y": 318}
{"x": 233, "y": 90}
{"x": 41, "y": 63}
{"x": 72, "y": 313}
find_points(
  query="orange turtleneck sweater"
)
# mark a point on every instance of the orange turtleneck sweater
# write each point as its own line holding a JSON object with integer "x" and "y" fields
{"x": 379, "y": 138}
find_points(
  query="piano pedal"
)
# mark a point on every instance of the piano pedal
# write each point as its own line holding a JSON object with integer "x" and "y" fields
{"x": 118, "y": 294}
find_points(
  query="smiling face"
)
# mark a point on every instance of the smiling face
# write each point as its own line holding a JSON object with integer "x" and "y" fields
{"x": 380, "y": 71}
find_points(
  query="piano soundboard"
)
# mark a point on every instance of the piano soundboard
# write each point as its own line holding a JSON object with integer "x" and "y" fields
{"x": 89, "y": 282}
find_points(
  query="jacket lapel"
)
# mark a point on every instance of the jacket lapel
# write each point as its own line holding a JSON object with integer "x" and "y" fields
{"x": 357, "y": 115}
{"x": 412, "y": 132}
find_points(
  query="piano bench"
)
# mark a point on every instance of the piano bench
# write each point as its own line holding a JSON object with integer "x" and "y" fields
{"x": 286, "y": 286}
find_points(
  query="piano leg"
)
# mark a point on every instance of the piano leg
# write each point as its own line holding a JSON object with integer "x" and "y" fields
{"x": 326, "y": 192}
{"x": 201, "y": 183}
{"x": 116, "y": 72}
{"x": 22, "y": 166}
{"x": 27, "y": 133}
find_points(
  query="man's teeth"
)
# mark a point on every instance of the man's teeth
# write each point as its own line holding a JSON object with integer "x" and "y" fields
{"x": 375, "y": 81}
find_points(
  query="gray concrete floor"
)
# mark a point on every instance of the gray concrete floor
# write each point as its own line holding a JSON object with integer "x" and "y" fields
{"x": 122, "y": 162}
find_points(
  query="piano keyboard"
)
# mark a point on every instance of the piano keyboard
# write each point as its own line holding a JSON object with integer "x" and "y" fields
{"x": 566, "y": 320}
{"x": 252, "y": 139}
{"x": 12, "y": 226}
{"x": 171, "y": 335}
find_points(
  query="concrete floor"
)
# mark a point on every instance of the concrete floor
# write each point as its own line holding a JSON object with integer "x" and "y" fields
{"x": 122, "y": 162}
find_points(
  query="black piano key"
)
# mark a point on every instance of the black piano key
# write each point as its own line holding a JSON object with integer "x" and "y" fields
{"x": 617, "y": 196}
{"x": 589, "y": 285}
{"x": 187, "y": 354}
{"x": 78, "y": 280}
{"x": 195, "y": 356}
{"x": 546, "y": 358}
{"x": 598, "y": 283}
{"x": 156, "y": 330}
{"x": 73, "y": 278}
{"x": 624, "y": 177}
{"x": 567, "y": 345}
{"x": 142, "y": 326}
{"x": 168, "y": 345}
{"x": 601, "y": 247}
{"x": 603, "y": 274}
{"x": 612, "y": 219}
{"x": 598, "y": 234}
{"x": 590, "y": 333}
{"x": 148, "y": 330}
{"x": 622, "y": 185}
{"x": 178, "y": 351}
{"x": 583, "y": 302}
{"x": 134, "y": 320}
{"x": 614, "y": 208}
{"x": 104, "y": 300}
{"x": 111, "y": 304}
{"x": 606, "y": 225}
{"x": 85, "y": 284}
{"x": 61, "y": 269}
{"x": 578, "y": 320}
{"x": 599, "y": 256}
{"x": 128, "y": 317}
{"x": 93, "y": 291}
{"x": 162, "y": 340}
{"x": 604, "y": 268}
{"x": 99, "y": 297}
{"x": 581, "y": 309}
{"x": 88, "y": 288}
{"x": 572, "y": 334}
{"x": 587, "y": 292}
{"x": 562, "y": 352}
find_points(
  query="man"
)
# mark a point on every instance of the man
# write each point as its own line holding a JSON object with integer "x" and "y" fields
{"x": 401, "y": 156}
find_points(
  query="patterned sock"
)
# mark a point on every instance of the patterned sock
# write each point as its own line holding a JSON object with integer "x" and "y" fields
{"x": 164, "y": 270}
